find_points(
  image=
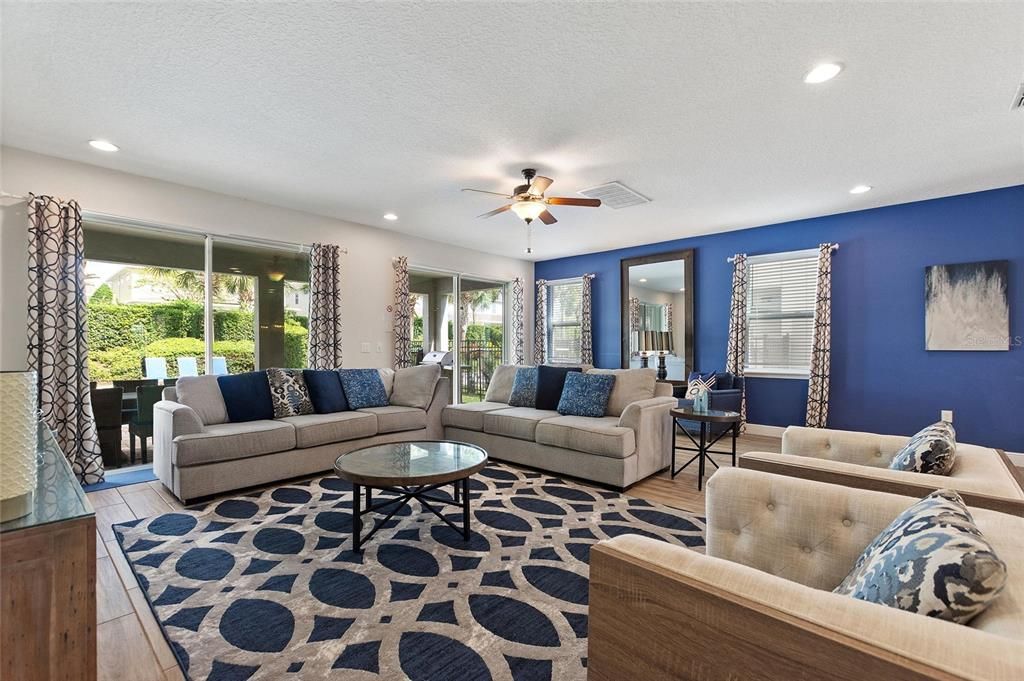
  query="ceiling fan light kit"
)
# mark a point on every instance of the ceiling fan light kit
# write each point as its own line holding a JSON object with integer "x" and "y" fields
{"x": 529, "y": 202}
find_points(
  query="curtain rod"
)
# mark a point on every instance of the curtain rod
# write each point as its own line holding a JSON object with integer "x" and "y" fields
{"x": 7, "y": 195}
{"x": 832, "y": 247}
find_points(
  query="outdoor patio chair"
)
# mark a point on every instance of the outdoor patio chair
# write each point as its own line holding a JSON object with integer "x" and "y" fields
{"x": 187, "y": 366}
{"x": 154, "y": 367}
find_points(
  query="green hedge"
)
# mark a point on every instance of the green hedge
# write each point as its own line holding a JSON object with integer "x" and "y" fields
{"x": 119, "y": 326}
{"x": 233, "y": 325}
{"x": 119, "y": 363}
{"x": 296, "y": 344}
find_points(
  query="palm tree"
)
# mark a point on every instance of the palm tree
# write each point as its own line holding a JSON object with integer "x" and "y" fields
{"x": 180, "y": 284}
{"x": 237, "y": 285}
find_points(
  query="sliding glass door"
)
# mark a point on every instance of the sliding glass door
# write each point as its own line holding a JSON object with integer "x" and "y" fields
{"x": 481, "y": 335}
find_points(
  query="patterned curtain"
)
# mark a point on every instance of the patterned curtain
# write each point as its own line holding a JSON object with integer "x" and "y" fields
{"x": 736, "y": 352}
{"x": 586, "y": 325}
{"x": 402, "y": 313}
{"x": 57, "y": 331}
{"x": 518, "y": 323}
{"x": 818, "y": 386}
{"x": 668, "y": 316}
{"x": 540, "y": 326}
{"x": 325, "y": 306}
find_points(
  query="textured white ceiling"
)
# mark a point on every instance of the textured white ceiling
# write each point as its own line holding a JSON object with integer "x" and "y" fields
{"x": 356, "y": 109}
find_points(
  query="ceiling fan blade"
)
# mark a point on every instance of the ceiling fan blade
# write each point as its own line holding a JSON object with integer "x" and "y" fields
{"x": 565, "y": 201}
{"x": 495, "y": 211}
{"x": 483, "y": 191}
{"x": 539, "y": 185}
{"x": 547, "y": 218}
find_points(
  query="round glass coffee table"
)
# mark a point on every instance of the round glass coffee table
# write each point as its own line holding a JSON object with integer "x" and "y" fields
{"x": 409, "y": 470}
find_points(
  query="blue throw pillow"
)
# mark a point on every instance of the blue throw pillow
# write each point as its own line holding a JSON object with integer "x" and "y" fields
{"x": 524, "y": 388}
{"x": 550, "y": 381}
{"x": 247, "y": 396}
{"x": 325, "y": 390}
{"x": 586, "y": 394}
{"x": 363, "y": 388}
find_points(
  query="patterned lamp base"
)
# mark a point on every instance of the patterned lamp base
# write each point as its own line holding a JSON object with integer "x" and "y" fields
{"x": 18, "y": 433}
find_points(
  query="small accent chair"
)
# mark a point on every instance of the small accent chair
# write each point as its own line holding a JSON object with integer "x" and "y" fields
{"x": 154, "y": 367}
{"x": 218, "y": 366}
{"x": 759, "y": 603}
{"x": 141, "y": 424}
{"x": 106, "y": 410}
{"x": 984, "y": 476}
{"x": 187, "y": 366}
{"x": 726, "y": 396}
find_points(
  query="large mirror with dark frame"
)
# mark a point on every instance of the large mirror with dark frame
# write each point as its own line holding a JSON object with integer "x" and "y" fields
{"x": 657, "y": 314}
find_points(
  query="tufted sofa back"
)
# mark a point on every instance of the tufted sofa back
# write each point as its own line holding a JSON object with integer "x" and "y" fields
{"x": 865, "y": 449}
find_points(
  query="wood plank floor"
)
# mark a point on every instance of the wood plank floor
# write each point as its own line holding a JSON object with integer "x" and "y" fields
{"x": 130, "y": 642}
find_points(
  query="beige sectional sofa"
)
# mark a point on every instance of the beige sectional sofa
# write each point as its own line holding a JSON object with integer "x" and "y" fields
{"x": 632, "y": 441}
{"x": 982, "y": 475}
{"x": 197, "y": 453}
{"x": 759, "y": 604}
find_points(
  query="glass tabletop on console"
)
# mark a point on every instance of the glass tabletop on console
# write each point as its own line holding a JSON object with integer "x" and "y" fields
{"x": 410, "y": 462}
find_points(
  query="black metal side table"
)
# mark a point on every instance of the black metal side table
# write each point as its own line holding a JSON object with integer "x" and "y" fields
{"x": 703, "y": 447}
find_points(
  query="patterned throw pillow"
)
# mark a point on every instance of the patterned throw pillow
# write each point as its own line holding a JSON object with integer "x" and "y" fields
{"x": 931, "y": 560}
{"x": 363, "y": 388}
{"x": 586, "y": 394}
{"x": 930, "y": 451}
{"x": 524, "y": 388}
{"x": 698, "y": 382}
{"x": 289, "y": 393}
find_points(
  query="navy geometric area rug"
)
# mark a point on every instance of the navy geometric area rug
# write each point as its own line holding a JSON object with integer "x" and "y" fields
{"x": 264, "y": 586}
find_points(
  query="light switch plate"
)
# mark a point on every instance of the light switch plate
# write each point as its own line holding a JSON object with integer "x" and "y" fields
{"x": 380, "y": 347}
{"x": 947, "y": 415}
{"x": 365, "y": 347}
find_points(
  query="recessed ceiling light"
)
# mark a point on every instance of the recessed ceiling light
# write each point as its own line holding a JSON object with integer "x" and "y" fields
{"x": 643, "y": 281}
{"x": 103, "y": 145}
{"x": 390, "y": 216}
{"x": 860, "y": 189}
{"x": 823, "y": 72}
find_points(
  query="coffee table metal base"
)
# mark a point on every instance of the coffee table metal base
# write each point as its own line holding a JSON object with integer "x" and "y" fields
{"x": 406, "y": 493}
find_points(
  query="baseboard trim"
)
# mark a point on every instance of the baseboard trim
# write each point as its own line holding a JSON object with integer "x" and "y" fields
{"x": 759, "y": 429}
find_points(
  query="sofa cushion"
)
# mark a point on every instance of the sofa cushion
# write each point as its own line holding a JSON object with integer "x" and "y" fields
{"x": 931, "y": 560}
{"x": 602, "y": 436}
{"x": 524, "y": 388}
{"x": 227, "y": 441}
{"x": 550, "y": 382}
{"x": 469, "y": 416}
{"x": 631, "y": 385}
{"x": 363, "y": 388}
{"x": 288, "y": 393}
{"x": 517, "y": 422}
{"x": 247, "y": 396}
{"x": 932, "y": 450}
{"x": 202, "y": 394}
{"x": 325, "y": 391}
{"x": 500, "y": 387}
{"x": 387, "y": 377}
{"x": 414, "y": 386}
{"x": 586, "y": 395}
{"x": 312, "y": 430}
{"x": 394, "y": 419}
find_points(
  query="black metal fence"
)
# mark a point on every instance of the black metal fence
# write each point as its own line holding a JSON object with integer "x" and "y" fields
{"x": 477, "y": 361}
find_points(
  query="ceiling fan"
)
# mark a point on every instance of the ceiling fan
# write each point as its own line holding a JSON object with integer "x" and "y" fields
{"x": 529, "y": 203}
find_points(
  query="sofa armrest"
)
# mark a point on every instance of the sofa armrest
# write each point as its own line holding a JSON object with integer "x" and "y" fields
{"x": 660, "y": 612}
{"x": 170, "y": 419}
{"x": 866, "y": 449}
{"x": 649, "y": 419}
{"x": 441, "y": 399}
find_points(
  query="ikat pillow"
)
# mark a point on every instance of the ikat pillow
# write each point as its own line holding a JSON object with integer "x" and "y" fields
{"x": 289, "y": 393}
{"x": 931, "y": 560}
{"x": 932, "y": 451}
{"x": 524, "y": 388}
{"x": 364, "y": 388}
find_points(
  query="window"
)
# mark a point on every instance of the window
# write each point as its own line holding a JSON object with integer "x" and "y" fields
{"x": 565, "y": 321}
{"x": 781, "y": 292}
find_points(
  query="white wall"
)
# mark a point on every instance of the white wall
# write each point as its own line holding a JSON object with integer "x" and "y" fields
{"x": 368, "y": 276}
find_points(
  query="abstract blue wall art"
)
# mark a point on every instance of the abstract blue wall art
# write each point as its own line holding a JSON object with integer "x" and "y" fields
{"x": 966, "y": 306}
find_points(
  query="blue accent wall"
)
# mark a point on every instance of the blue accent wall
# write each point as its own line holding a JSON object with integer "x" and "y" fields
{"x": 883, "y": 380}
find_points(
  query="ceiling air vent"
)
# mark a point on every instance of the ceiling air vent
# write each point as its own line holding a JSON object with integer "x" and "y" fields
{"x": 615, "y": 195}
{"x": 1018, "y": 100}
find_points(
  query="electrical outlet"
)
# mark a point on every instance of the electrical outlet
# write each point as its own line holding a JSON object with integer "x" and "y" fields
{"x": 365, "y": 347}
{"x": 947, "y": 415}
{"x": 380, "y": 347}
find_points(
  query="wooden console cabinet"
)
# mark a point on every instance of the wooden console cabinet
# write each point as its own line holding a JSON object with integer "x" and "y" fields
{"x": 48, "y": 579}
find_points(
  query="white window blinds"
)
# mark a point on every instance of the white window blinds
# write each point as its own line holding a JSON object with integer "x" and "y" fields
{"x": 565, "y": 321}
{"x": 781, "y": 290}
